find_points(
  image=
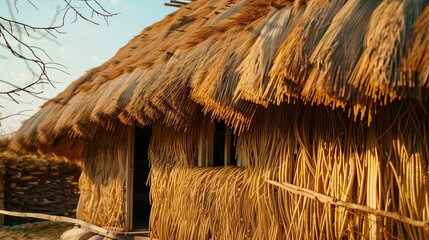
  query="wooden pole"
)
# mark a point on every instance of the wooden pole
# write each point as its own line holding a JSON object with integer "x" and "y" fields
{"x": 178, "y": 2}
{"x": 201, "y": 150}
{"x": 333, "y": 201}
{"x": 227, "y": 148}
{"x": 91, "y": 227}
{"x": 129, "y": 181}
{"x": 173, "y": 5}
{"x": 1, "y": 198}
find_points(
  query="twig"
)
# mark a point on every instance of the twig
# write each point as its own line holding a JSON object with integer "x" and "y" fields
{"x": 20, "y": 113}
{"x": 334, "y": 201}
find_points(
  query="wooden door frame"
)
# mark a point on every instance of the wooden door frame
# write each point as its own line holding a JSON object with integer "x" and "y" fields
{"x": 129, "y": 180}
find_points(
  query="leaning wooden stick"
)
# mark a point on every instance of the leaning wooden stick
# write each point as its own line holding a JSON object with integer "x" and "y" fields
{"x": 334, "y": 201}
{"x": 86, "y": 225}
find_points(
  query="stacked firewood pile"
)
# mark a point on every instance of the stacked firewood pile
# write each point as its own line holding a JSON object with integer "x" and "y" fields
{"x": 32, "y": 184}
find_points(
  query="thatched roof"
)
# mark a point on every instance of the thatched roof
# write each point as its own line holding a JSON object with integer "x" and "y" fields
{"x": 229, "y": 57}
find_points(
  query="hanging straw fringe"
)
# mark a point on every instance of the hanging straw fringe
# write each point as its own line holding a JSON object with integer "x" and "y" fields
{"x": 290, "y": 66}
{"x": 381, "y": 71}
{"x": 380, "y": 63}
{"x": 254, "y": 68}
{"x": 420, "y": 50}
{"x": 102, "y": 193}
{"x": 336, "y": 54}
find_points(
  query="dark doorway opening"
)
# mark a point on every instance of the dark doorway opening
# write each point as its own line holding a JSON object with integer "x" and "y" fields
{"x": 141, "y": 204}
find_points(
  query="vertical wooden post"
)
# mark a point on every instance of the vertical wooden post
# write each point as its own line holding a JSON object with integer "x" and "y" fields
{"x": 1, "y": 199}
{"x": 227, "y": 152}
{"x": 129, "y": 182}
{"x": 209, "y": 144}
{"x": 201, "y": 150}
{"x": 205, "y": 146}
{"x": 240, "y": 162}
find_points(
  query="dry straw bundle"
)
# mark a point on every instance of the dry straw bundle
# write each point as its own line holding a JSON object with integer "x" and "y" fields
{"x": 101, "y": 184}
{"x": 383, "y": 166}
{"x": 193, "y": 203}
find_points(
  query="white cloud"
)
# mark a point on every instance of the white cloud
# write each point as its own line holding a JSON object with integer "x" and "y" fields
{"x": 62, "y": 49}
{"x": 27, "y": 39}
{"x": 24, "y": 38}
{"x": 18, "y": 76}
{"x": 94, "y": 58}
{"x": 113, "y": 1}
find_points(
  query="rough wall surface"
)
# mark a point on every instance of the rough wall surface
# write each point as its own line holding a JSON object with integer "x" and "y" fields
{"x": 39, "y": 185}
{"x": 383, "y": 166}
{"x": 102, "y": 182}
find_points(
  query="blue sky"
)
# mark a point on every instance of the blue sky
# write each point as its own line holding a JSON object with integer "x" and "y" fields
{"x": 82, "y": 47}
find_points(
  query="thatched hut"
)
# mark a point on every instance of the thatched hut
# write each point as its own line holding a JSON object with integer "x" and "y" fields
{"x": 220, "y": 96}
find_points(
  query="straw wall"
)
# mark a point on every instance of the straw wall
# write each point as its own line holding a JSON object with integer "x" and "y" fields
{"x": 102, "y": 200}
{"x": 383, "y": 166}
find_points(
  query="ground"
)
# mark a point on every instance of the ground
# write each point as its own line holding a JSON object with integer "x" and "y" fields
{"x": 39, "y": 230}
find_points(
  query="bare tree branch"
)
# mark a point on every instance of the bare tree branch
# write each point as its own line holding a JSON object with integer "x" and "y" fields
{"x": 20, "y": 113}
{"x": 13, "y": 35}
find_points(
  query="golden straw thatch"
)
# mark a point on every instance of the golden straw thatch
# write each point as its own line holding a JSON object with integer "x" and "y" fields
{"x": 382, "y": 166}
{"x": 231, "y": 56}
{"x": 327, "y": 95}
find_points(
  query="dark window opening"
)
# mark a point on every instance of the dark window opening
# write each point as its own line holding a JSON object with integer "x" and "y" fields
{"x": 232, "y": 157}
{"x": 141, "y": 204}
{"x": 223, "y": 146}
{"x": 217, "y": 146}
